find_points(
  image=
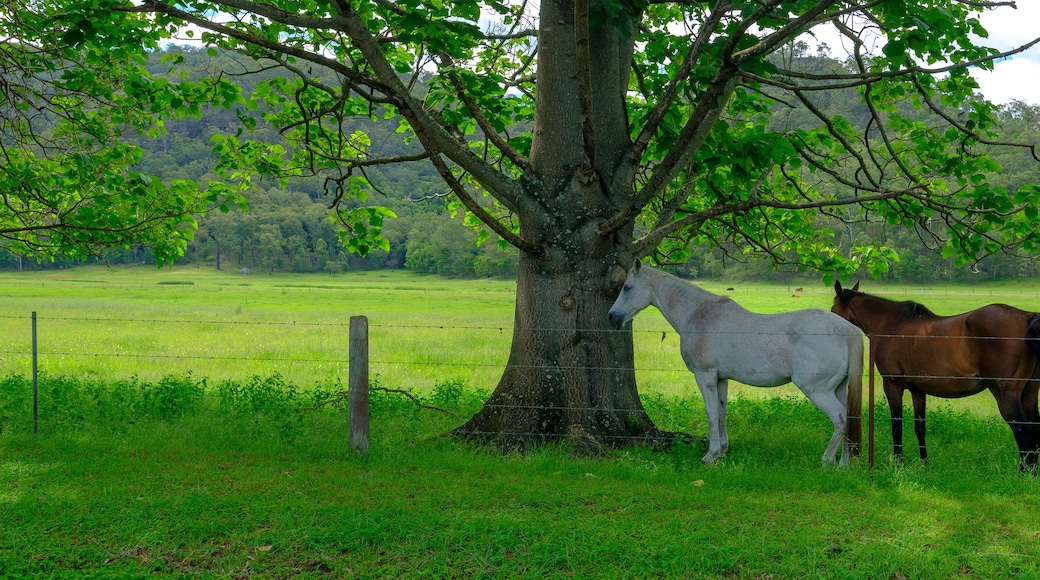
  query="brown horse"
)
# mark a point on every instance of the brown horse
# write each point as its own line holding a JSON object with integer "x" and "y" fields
{"x": 995, "y": 347}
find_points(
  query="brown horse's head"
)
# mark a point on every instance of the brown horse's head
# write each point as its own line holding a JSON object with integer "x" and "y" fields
{"x": 842, "y": 302}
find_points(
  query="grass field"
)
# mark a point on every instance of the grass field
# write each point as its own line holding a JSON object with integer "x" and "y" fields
{"x": 178, "y": 479}
{"x": 184, "y": 435}
{"x": 141, "y": 322}
{"x": 116, "y": 323}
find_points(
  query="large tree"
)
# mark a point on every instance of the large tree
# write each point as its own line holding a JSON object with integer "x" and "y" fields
{"x": 588, "y": 133}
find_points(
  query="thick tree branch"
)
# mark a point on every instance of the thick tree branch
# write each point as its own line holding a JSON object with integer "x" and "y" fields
{"x": 482, "y": 214}
{"x": 711, "y": 104}
{"x": 784, "y": 34}
{"x": 668, "y": 210}
{"x": 667, "y": 99}
{"x": 434, "y": 136}
{"x": 584, "y": 71}
{"x": 830, "y": 82}
{"x": 349, "y": 72}
{"x": 645, "y": 245}
{"x": 696, "y": 130}
{"x": 481, "y": 119}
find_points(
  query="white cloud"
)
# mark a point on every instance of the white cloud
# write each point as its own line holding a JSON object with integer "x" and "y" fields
{"x": 1010, "y": 27}
{"x": 1011, "y": 80}
{"x": 1018, "y": 77}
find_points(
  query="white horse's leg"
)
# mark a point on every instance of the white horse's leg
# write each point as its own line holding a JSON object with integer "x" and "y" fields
{"x": 723, "y": 389}
{"x": 836, "y": 411}
{"x": 708, "y": 383}
{"x": 823, "y": 394}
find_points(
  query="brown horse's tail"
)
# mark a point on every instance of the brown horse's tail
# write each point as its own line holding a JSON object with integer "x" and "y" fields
{"x": 1033, "y": 335}
{"x": 854, "y": 397}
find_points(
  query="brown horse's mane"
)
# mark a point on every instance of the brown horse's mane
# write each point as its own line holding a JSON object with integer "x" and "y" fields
{"x": 905, "y": 310}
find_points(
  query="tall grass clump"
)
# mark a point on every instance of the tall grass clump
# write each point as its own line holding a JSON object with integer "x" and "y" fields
{"x": 69, "y": 403}
{"x": 263, "y": 402}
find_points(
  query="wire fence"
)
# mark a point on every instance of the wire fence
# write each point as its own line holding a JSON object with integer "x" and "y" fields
{"x": 91, "y": 345}
{"x": 329, "y": 347}
{"x": 417, "y": 357}
{"x": 82, "y": 338}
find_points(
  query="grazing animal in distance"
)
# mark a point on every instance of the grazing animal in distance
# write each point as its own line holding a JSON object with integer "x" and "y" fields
{"x": 719, "y": 340}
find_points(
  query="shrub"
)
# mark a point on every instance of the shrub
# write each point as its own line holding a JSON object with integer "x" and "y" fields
{"x": 170, "y": 397}
{"x": 265, "y": 401}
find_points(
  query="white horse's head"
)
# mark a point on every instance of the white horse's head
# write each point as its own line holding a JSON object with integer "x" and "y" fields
{"x": 634, "y": 296}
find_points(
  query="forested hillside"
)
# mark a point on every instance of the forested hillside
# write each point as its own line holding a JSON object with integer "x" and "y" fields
{"x": 288, "y": 228}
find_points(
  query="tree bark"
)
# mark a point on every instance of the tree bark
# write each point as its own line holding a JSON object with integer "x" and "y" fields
{"x": 569, "y": 376}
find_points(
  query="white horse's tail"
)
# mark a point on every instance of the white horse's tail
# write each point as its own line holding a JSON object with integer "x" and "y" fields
{"x": 854, "y": 397}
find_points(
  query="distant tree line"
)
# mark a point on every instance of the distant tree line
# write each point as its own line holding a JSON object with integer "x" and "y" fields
{"x": 288, "y": 229}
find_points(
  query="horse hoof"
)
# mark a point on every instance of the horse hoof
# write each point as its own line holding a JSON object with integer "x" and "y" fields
{"x": 829, "y": 463}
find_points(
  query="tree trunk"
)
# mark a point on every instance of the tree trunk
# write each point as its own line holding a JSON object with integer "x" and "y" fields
{"x": 569, "y": 375}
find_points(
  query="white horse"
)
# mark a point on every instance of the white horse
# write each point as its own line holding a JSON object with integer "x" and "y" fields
{"x": 818, "y": 351}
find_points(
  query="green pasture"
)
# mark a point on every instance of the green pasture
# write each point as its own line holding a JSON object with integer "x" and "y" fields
{"x": 191, "y": 426}
{"x": 115, "y": 323}
{"x": 121, "y": 322}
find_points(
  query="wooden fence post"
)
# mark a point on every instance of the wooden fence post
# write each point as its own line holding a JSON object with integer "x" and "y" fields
{"x": 357, "y": 388}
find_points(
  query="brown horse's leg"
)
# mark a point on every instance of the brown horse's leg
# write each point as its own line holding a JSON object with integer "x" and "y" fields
{"x": 1029, "y": 405}
{"x": 1009, "y": 402}
{"x": 894, "y": 394}
{"x": 919, "y": 425}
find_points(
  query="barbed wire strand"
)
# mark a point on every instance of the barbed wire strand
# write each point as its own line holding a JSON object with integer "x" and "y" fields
{"x": 502, "y": 365}
{"x": 663, "y": 331}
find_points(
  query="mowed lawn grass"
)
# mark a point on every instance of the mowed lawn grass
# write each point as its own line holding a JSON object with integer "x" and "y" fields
{"x": 255, "y": 480}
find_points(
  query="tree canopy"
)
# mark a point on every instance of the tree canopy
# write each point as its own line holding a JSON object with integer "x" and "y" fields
{"x": 68, "y": 95}
{"x": 82, "y": 83}
{"x": 707, "y": 161}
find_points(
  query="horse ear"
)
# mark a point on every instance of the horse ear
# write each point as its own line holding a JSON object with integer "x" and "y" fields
{"x": 636, "y": 265}
{"x": 837, "y": 287}
{"x": 856, "y": 287}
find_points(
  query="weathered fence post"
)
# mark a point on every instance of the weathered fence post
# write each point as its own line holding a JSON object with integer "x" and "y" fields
{"x": 357, "y": 388}
{"x": 35, "y": 381}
